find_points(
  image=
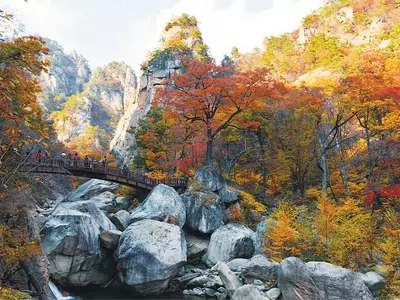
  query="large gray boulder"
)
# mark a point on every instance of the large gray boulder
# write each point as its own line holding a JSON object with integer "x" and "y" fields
{"x": 150, "y": 253}
{"x": 91, "y": 188}
{"x": 209, "y": 178}
{"x": 258, "y": 267}
{"x": 229, "y": 195}
{"x": 338, "y": 283}
{"x": 231, "y": 282}
{"x": 374, "y": 282}
{"x": 204, "y": 211}
{"x": 70, "y": 239}
{"x": 163, "y": 199}
{"x": 228, "y": 242}
{"x": 295, "y": 281}
{"x": 249, "y": 292}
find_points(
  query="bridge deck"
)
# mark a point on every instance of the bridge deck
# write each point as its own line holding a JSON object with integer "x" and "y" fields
{"x": 94, "y": 169}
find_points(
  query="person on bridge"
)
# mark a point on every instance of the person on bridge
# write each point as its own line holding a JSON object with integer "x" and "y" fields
{"x": 62, "y": 160}
{"x": 104, "y": 161}
{"x": 86, "y": 163}
{"x": 76, "y": 158}
{"x": 40, "y": 156}
{"x": 125, "y": 170}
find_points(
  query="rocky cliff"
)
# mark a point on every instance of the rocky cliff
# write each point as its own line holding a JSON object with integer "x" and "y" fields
{"x": 67, "y": 75}
{"x": 181, "y": 37}
{"x": 85, "y": 105}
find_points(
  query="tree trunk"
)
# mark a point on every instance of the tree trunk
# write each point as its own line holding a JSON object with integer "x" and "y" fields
{"x": 324, "y": 165}
{"x": 209, "y": 147}
{"x": 370, "y": 164}
{"x": 344, "y": 169}
{"x": 262, "y": 160}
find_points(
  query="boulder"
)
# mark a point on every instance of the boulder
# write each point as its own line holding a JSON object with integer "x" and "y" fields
{"x": 231, "y": 282}
{"x": 162, "y": 200}
{"x": 150, "y": 253}
{"x": 258, "y": 267}
{"x": 249, "y": 292}
{"x": 229, "y": 195}
{"x": 259, "y": 237}
{"x": 89, "y": 208}
{"x": 196, "y": 246}
{"x": 70, "y": 239}
{"x": 273, "y": 293}
{"x": 229, "y": 242}
{"x": 338, "y": 283}
{"x": 204, "y": 211}
{"x": 91, "y": 188}
{"x": 374, "y": 282}
{"x": 295, "y": 281}
{"x": 110, "y": 238}
{"x": 209, "y": 178}
{"x": 120, "y": 219}
{"x": 237, "y": 264}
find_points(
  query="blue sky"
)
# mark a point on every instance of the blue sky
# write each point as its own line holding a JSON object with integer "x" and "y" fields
{"x": 125, "y": 30}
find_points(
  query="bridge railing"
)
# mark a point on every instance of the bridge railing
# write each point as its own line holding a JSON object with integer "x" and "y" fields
{"x": 101, "y": 167}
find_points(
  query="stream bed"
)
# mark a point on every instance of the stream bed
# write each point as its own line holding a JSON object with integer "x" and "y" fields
{"x": 119, "y": 294}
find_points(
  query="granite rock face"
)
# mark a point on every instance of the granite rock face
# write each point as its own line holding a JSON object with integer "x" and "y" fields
{"x": 155, "y": 71}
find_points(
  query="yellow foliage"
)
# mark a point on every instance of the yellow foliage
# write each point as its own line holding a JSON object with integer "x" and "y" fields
{"x": 11, "y": 294}
{"x": 250, "y": 203}
{"x": 243, "y": 178}
{"x": 282, "y": 238}
{"x": 16, "y": 246}
{"x": 346, "y": 232}
{"x": 158, "y": 174}
{"x": 389, "y": 249}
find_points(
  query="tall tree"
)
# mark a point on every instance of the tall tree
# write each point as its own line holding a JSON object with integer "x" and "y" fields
{"x": 212, "y": 96}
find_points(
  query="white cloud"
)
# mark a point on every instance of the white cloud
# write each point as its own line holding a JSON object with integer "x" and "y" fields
{"x": 105, "y": 30}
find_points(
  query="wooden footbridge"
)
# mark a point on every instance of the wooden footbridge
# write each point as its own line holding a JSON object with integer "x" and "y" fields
{"x": 91, "y": 168}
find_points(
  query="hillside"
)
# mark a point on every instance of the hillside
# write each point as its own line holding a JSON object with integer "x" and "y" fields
{"x": 329, "y": 40}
